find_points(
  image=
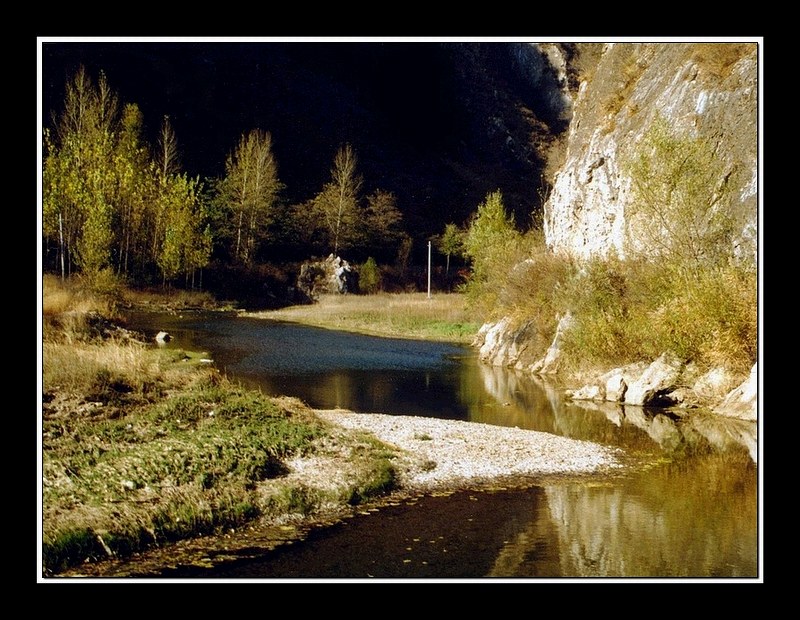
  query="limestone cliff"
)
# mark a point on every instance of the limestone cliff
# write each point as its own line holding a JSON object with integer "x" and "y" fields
{"x": 707, "y": 90}
{"x": 613, "y": 94}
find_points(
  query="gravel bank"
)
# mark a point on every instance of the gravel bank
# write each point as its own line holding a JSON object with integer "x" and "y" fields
{"x": 450, "y": 453}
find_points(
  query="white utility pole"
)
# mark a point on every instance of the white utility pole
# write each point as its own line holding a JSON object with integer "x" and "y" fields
{"x": 429, "y": 269}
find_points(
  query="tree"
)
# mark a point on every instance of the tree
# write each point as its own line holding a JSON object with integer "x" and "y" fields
{"x": 135, "y": 193}
{"x": 492, "y": 238}
{"x": 249, "y": 193}
{"x": 337, "y": 203}
{"x": 682, "y": 194}
{"x": 186, "y": 242}
{"x": 451, "y": 242}
{"x": 369, "y": 276}
{"x": 382, "y": 220}
{"x": 166, "y": 157}
{"x": 80, "y": 183}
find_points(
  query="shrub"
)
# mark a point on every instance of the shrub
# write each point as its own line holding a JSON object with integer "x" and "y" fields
{"x": 682, "y": 208}
{"x": 494, "y": 245}
{"x": 378, "y": 480}
{"x": 369, "y": 277}
{"x": 628, "y": 311}
{"x": 719, "y": 58}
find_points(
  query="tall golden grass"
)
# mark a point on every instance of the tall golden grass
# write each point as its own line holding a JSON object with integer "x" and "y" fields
{"x": 60, "y": 297}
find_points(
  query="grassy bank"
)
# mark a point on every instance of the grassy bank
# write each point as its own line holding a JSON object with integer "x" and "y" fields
{"x": 141, "y": 446}
{"x": 443, "y": 317}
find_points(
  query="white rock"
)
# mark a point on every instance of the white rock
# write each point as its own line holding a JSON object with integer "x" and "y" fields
{"x": 742, "y": 402}
{"x": 659, "y": 378}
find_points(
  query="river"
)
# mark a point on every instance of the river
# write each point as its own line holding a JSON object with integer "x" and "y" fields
{"x": 693, "y": 514}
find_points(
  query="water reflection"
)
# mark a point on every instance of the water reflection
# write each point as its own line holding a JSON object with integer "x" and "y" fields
{"x": 513, "y": 399}
{"x": 693, "y": 513}
{"x": 646, "y": 528}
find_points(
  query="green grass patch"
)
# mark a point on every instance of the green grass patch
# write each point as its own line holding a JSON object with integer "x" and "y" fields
{"x": 164, "y": 470}
{"x": 443, "y": 317}
{"x": 378, "y": 480}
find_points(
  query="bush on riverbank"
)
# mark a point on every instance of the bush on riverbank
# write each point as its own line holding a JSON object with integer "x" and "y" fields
{"x": 142, "y": 446}
{"x": 626, "y": 310}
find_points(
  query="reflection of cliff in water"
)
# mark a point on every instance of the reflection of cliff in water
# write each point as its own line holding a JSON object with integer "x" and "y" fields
{"x": 678, "y": 534}
{"x": 529, "y": 402}
{"x": 693, "y": 515}
{"x": 660, "y": 524}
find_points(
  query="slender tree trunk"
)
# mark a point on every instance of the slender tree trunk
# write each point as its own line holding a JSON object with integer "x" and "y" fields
{"x": 61, "y": 244}
{"x": 239, "y": 233}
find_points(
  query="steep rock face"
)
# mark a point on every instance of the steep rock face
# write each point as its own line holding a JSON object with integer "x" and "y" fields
{"x": 700, "y": 89}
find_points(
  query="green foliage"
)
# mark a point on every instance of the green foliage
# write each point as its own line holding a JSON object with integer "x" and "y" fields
{"x": 682, "y": 199}
{"x": 451, "y": 242}
{"x": 80, "y": 177}
{"x": 632, "y": 311}
{"x": 378, "y": 480}
{"x": 248, "y": 194}
{"x": 107, "y": 206}
{"x": 187, "y": 240}
{"x": 493, "y": 243}
{"x": 295, "y": 500}
{"x": 60, "y": 550}
{"x": 336, "y": 205}
{"x": 535, "y": 289}
{"x": 204, "y": 450}
{"x": 369, "y": 277}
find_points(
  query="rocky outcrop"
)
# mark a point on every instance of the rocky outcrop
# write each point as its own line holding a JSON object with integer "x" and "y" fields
{"x": 327, "y": 277}
{"x": 639, "y": 384}
{"x": 655, "y": 383}
{"x": 505, "y": 344}
{"x": 699, "y": 90}
{"x": 667, "y": 382}
{"x": 742, "y": 402}
{"x": 550, "y": 362}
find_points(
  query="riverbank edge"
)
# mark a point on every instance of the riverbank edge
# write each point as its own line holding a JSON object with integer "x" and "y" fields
{"x": 372, "y": 315}
{"x": 450, "y": 442}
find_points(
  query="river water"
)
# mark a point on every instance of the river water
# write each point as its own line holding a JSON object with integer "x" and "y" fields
{"x": 693, "y": 514}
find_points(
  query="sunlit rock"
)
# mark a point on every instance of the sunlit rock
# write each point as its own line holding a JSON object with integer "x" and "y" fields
{"x": 549, "y": 363}
{"x": 504, "y": 343}
{"x": 714, "y": 384}
{"x": 327, "y": 277}
{"x": 658, "y": 380}
{"x": 615, "y": 386}
{"x": 587, "y": 392}
{"x": 742, "y": 402}
{"x": 587, "y": 211}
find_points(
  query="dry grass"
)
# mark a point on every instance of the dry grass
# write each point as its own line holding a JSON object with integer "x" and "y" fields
{"x": 177, "y": 298}
{"x": 719, "y": 58}
{"x": 75, "y": 367}
{"x": 72, "y": 296}
{"x": 443, "y": 317}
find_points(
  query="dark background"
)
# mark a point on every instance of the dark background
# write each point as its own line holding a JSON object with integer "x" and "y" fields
{"x": 423, "y": 117}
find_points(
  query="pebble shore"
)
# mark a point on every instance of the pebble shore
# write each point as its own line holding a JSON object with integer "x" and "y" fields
{"x": 447, "y": 453}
